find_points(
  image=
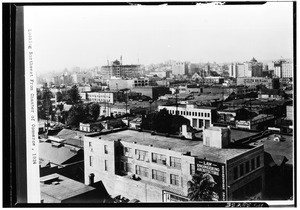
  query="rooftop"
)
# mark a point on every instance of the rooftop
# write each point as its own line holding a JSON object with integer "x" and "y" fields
{"x": 56, "y": 154}
{"x": 195, "y": 106}
{"x": 63, "y": 188}
{"x": 195, "y": 147}
{"x": 278, "y": 149}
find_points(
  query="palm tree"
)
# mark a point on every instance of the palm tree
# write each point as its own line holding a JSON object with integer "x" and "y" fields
{"x": 200, "y": 188}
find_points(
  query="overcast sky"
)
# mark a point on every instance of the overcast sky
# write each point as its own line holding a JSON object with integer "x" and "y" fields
{"x": 87, "y": 36}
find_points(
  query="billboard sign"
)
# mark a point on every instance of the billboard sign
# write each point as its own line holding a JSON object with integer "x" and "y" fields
{"x": 217, "y": 171}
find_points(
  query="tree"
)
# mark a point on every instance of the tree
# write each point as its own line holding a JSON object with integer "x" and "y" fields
{"x": 59, "y": 96}
{"x": 45, "y": 110}
{"x": 73, "y": 95}
{"x": 200, "y": 188}
{"x": 94, "y": 111}
{"x": 76, "y": 115}
{"x": 163, "y": 122}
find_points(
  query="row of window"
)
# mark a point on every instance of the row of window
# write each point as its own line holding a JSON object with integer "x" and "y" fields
{"x": 156, "y": 158}
{"x": 188, "y": 113}
{"x": 144, "y": 172}
{"x": 246, "y": 167}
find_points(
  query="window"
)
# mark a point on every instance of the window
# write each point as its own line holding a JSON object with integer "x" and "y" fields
{"x": 90, "y": 144}
{"x": 105, "y": 165}
{"x": 159, "y": 175}
{"x": 201, "y": 114}
{"x": 105, "y": 149}
{"x": 142, "y": 171}
{"x": 127, "y": 152}
{"x": 258, "y": 161}
{"x": 247, "y": 167}
{"x": 192, "y": 169}
{"x": 241, "y": 169}
{"x": 207, "y": 114}
{"x": 200, "y": 123}
{"x": 235, "y": 173}
{"x": 125, "y": 166}
{"x": 141, "y": 155}
{"x": 252, "y": 164}
{"x": 158, "y": 158}
{"x": 174, "y": 179}
{"x": 175, "y": 162}
{"x": 91, "y": 161}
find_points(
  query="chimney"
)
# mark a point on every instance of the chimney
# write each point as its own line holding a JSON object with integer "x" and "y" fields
{"x": 218, "y": 137}
{"x": 91, "y": 179}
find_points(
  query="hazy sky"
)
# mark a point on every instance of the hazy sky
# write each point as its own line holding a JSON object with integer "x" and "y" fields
{"x": 86, "y": 36}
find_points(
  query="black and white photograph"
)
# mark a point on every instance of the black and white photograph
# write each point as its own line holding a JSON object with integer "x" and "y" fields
{"x": 130, "y": 104}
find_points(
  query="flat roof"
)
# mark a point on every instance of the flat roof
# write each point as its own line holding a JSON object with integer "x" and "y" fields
{"x": 278, "y": 148}
{"x": 179, "y": 145}
{"x": 185, "y": 106}
{"x": 64, "y": 188}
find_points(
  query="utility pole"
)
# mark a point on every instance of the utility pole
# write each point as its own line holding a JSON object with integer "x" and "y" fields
{"x": 176, "y": 100}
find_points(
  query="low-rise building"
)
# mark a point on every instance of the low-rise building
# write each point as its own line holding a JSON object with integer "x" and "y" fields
{"x": 200, "y": 116}
{"x": 259, "y": 122}
{"x": 105, "y": 96}
{"x": 153, "y": 92}
{"x": 152, "y": 168}
{"x": 56, "y": 188}
{"x": 254, "y": 81}
{"x": 119, "y": 83}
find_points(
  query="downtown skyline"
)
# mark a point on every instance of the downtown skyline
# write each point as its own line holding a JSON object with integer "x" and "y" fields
{"x": 88, "y": 36}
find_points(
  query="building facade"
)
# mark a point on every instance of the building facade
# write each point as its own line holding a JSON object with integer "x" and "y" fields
{"x": 283, "y": 69}
{"x": 180, "y": 68}
{"x": 253, "y": 81}
{"x": 200, "y": 117}
{"x": 106, "y": 97}
{"x": 151, "y": 168}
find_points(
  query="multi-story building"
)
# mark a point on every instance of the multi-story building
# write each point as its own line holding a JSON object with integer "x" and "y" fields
{"x": 81, "y": 77}
{"x": 233, "y": 70}
{"x": 105, "y": 96}
{"x": 152, "y": 168}
{"x": 180, "y": 68}
{"x": 200, "y": 117}
{"x": 254, "y": 81}
{"x": 240, "y": 70}
{"x": 283, "y": 69}
{"x": 253, "y": 68}
{"x": 117, "y": 69}
{"x": 153, "y": 92}
{"x": 247, "y": 69}
{"x": 287, "y": 70}
{"x": 118, "y": 83}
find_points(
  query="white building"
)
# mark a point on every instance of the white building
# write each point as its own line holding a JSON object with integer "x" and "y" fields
{"x": 180, "y": 68}
{"x": 240, "y": 71}
{"x": 233, "y": 70}
{"x": 287, "y": 70}
{"x": 107, "y": 97}
{"x": 200, "y": 117}
{"x": 118, "y": 83}
{"x": 283, "y": 69}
